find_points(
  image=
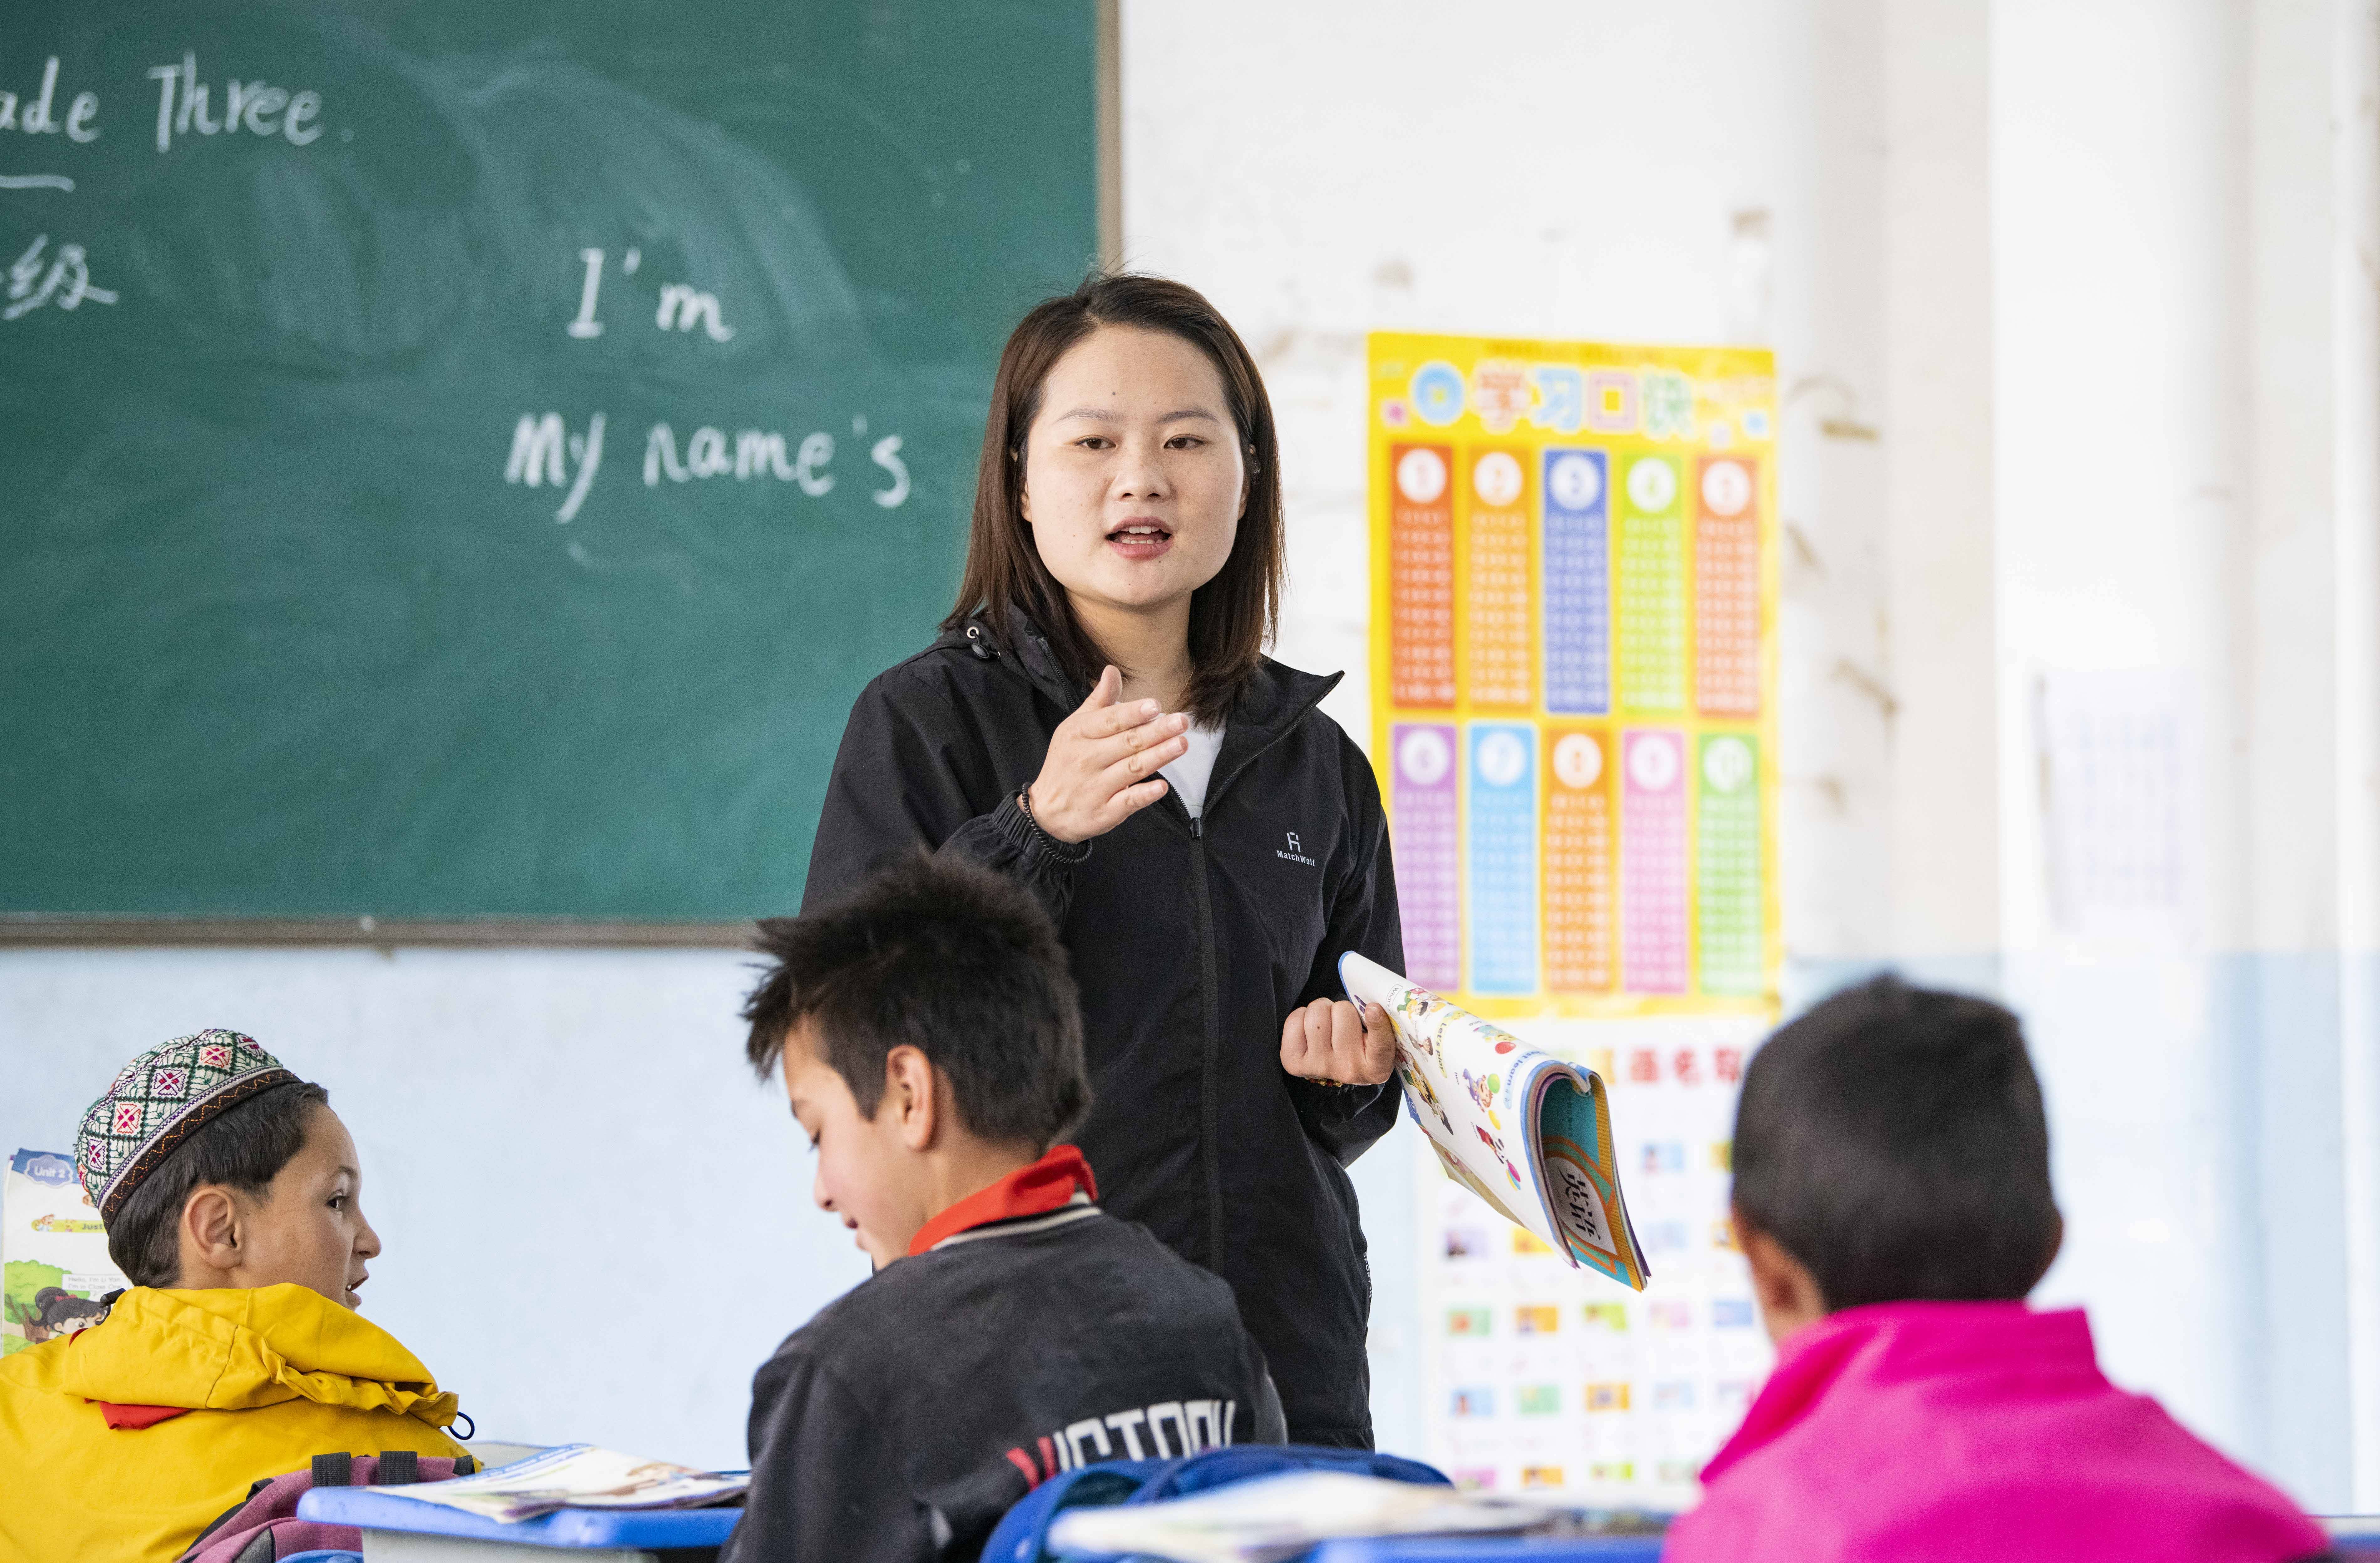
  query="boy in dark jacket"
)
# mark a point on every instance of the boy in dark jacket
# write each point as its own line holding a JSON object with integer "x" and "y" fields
{"x": 926, "y": 1031}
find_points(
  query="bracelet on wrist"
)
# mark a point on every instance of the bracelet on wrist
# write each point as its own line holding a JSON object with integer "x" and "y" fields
{"x": 1071, "y": 852}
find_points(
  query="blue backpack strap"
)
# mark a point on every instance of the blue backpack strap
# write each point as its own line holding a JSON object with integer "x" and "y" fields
{"x": 1220, "y": 1467}
{"x": 1023, "y": 1533}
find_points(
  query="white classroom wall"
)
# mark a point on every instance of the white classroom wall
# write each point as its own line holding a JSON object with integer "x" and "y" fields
{"x": 2074, "y": 354}
{"x": 2075, "y": 347}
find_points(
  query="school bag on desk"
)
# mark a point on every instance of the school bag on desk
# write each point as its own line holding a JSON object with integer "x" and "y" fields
{"x": 265, "y": 1527}
{"x": 1023, "y": 1533}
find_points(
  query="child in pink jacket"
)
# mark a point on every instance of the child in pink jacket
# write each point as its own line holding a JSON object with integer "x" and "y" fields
{"x": 1892, "y": 1194}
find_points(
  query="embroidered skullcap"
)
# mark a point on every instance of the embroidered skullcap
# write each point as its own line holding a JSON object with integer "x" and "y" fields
{"x": 160, "y": 1099}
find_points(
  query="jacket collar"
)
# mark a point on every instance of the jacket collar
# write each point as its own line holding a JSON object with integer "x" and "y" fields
{"x": 1860, "y": 1350}
{"x": 1060, "y": 1177}
{"x": 1276, "y": 698}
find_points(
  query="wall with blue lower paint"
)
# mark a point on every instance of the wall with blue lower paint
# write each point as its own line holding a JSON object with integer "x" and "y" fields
{"x": 597, "y": 1223}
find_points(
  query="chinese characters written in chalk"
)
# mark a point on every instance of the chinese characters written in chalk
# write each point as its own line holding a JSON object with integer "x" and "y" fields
{"x": 36, "y": 278}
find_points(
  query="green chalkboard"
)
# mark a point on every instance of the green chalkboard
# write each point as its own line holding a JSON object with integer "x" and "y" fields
{"x": 321, "y": 595}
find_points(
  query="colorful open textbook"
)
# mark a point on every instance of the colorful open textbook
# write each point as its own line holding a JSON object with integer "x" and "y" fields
{"x": 1527, "y": 1132}
{"x": 577, "y": 1476}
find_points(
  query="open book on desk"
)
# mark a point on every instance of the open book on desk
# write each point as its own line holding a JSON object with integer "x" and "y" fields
{"x": 576, "y": 1476}
{"x": 1527, "y": 1132}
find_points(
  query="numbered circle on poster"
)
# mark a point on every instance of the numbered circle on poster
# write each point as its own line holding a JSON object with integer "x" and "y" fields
{"x": 1727, "y": 488}
{"x": 1578, "y": 760}
{"x": 1652, "y": 486}
{"x": 1576, "y": 481}
{"x": 1437, "y": 393}
{"x": 1421, "y": 475}
{"x": 1504, "y": 759}
{"x": 1423, "y": 757}
{"x": 1652, "y": 762}
{"x": 1496, "y": 478}
{"x": 1727, "y": 764}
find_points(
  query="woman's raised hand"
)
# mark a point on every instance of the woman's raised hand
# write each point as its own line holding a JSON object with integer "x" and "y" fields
{"x": 1330, "y": 1040}
{"x": 1101, "y": 768}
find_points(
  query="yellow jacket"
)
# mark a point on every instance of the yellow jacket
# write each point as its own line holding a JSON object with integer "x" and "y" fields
{"x": 272, "y": 1378}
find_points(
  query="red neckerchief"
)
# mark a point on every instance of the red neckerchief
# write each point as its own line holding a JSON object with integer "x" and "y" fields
{"x": 1047, "y": 1185}
{"x": 132, "y": 1418}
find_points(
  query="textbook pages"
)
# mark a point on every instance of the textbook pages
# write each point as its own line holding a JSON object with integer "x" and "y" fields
{"x": 1527, "y": 1132}
{"x": 576, "y": 1476}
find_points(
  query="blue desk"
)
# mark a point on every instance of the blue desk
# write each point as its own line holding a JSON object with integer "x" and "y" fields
{"x": 2354, "y": 1537}
{"x": 403, "y": 1527}
{"x": 1550, "y": 1549}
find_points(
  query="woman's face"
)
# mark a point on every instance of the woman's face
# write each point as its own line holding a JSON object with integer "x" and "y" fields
{"x": 1135, "y": 477}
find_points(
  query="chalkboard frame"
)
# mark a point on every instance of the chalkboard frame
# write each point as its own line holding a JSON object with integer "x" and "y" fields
{"x": 39, "y": 930}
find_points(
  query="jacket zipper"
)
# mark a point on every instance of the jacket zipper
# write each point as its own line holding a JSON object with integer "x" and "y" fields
{"x": 1211, "y": 1012}
{"x": 1211, "y": 1003}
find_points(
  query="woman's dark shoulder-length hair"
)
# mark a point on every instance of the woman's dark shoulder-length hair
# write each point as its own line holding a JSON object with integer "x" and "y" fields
{"x": 1233, "y": 615}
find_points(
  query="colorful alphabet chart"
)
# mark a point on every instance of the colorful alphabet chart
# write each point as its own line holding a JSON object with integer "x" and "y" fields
{"x": 1535, "y": 1381}
{"x": 1574, "y": 661}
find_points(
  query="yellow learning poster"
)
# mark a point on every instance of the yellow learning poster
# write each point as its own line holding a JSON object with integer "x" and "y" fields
{"x": 1574, "y": 670}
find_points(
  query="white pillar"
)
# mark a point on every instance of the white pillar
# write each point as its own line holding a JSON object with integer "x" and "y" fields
{"x": 1937, "y": 429}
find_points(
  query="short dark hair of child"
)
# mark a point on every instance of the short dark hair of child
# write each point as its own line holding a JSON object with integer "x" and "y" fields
{"x": 948, "y": 958}
{"x": 1892, "y": 1141}
{"x": 245, "y": 1148}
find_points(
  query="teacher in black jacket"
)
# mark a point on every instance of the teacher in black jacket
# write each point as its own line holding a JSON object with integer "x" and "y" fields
{"x": 1099, "y": 719}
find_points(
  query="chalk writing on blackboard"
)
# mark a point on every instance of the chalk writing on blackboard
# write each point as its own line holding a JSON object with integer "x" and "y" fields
{"x": 538, "y": 447}
{"x": 185, "y": 106}
{"x": 546, "y": 452}
{"x": 683, "y": 306}
{"x": 40, "y": 120}
{"x": 689, "y": 308}
{"x": 757, "y": 452}
{"x": 65, "y": 282}
{"x": 260, "y": 107}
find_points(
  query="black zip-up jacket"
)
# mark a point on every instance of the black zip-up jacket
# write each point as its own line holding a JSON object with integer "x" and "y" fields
{"x": 1192, "y": 942}
{"x": 903, "y": 1421}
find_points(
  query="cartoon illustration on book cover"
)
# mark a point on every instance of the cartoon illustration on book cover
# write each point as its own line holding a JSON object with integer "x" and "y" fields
{"x": 53, "y": 1251}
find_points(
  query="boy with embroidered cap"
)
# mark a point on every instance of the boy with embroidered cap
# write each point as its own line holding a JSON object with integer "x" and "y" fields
{"x": 1892, "y": 1196}
{"x": 230, "y": 1191}
{"x": 926, "y": 1031}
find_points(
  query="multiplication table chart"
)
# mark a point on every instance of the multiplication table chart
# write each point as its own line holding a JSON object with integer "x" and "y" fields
{"x": 1573, "y": 646}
